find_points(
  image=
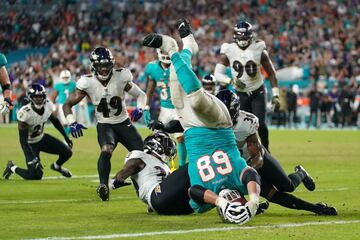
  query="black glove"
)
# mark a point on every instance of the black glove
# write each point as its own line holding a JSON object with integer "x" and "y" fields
{"x": 115, "y": 183}
{"x": 156, "y": 125}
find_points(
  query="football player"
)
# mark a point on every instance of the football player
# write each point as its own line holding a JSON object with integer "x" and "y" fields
{"x": 214, "y": 160}
{"x": 274, "y": 181}
{"x": 31, "y": 120}
{"x": 157, "y": 74}
{"x": 245, "y": 56}
{"x": 6, "y": 103}
{"x": 208, "y": 83}
{"x": 62, "y": 91}
{"x": 106, "y": 88}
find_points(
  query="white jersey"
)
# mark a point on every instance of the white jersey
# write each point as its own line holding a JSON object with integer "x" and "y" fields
{"x": 245, "y": 65}
{"x": 109, "y": 101}
{"x": 152, "y": 174}
{"x": 198, "y": 109}
{"x": 35, "y": 121}
{"x": 247, "y": 124}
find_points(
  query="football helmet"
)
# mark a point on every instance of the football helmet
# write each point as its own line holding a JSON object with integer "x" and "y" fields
{"x": 164, "y": 58}
{"x": 102, "y": 63}
{"x": 161, "y": 145}
{"x": 232, "y": 103}
{"x": 65, "y": 76}
{"x": 37, "y": 95}
{"x": 208, "y": 83}
{"x": 243, "y": 34}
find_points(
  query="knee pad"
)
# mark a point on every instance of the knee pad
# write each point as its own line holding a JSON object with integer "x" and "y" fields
{"x": 107, "y": 149}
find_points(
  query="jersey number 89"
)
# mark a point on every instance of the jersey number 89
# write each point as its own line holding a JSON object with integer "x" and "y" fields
{"x": 206, "y": 170}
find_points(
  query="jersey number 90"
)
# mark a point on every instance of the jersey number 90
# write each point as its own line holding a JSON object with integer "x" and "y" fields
{"x": 207, "y": 171}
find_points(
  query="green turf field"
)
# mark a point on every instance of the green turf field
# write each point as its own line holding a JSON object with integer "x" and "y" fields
{"x": 70, "y": 208}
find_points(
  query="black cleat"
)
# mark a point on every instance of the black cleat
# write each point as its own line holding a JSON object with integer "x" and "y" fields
{"x": 65, "y": 172}
{"x": 184, "y": 28}
{"x": 7, "y": 172}
{"x": 308, "y": 181}
{"x": 152, "y": 40}
{"x": 263, "y": 206}
{"x": 326, "y": 210}
{"x": 103, "y": 192}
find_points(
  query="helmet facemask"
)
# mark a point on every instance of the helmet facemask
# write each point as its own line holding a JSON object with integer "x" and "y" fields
{"x": 37, "y": 96}
{"x": 102, "y": 63}
{"x": 164, "y": 58}
{"x": 161, "y": 145}
{"x": 243, "y": 34}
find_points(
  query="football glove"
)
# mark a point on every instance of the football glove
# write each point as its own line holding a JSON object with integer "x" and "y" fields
{"x": 5, "y": 106}
{"x": 136, "y": 114}
{"x": 155, "y": 125}
{"x": 115, "y": 183}
{"x": 147, "y": 117}
{"x": 233, "y": 212}
{"x": 275, "y": 102}
{"x": 76, "y": 129}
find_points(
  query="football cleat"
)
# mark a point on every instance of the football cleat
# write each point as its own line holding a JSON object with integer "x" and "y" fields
{"x": 308, "y": 181}
{"x": 184, "y": 28}
{"x": 263, "y": 206}
{"x": 324, "y": 209}
{"x": 152, "y": 40}
{"x": 165, "y": 43}
{"x": 7, "y": 172}
{"x": 65, "y": 172}
{"x": 103, "y": 192}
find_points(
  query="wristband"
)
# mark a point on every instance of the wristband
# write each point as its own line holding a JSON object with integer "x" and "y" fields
{"x": 275, "y": 91}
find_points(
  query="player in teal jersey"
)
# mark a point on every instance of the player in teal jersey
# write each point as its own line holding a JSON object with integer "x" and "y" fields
{"x": 214, "y": 160}
{"x": 62, "y": 91}
{"x": 157, "y": 74}
{"x": 5, "y": 104}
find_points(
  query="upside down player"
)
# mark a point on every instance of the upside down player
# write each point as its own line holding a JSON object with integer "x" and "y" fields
{"x": 214, "y": 160}
{"x": 32, "y": 118}
{"x": 157, "y": 74}
{"x": 245, "y": 56}
{"x": 106, "y": 88}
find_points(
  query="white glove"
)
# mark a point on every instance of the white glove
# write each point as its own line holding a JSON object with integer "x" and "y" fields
{"x": 233, "y": 212}
{"x": 252, "y": 208}
{"x": 5, "y": 107}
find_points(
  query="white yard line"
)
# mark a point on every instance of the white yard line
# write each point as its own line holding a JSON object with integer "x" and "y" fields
{"x": 126, "y": 235}
{"x": 58, "y": 200}
{"x": 326, "y": 190}
{"x": 74, "y": 176}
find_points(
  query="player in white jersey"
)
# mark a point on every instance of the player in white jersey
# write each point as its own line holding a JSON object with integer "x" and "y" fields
{"x": 274, "y": 181}
{"x": 32, "y": 118}
{"x": 245, "y": 56}
{"x": 106, "y": 89}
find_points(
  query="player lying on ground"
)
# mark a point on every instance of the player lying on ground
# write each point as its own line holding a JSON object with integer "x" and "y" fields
{"x": 31, "y": 120}
{"x": 163, "y": 192}
{"x": 274, "y": 181}
{"x": 106, "y": 88}
{"x": 214, "y": 160}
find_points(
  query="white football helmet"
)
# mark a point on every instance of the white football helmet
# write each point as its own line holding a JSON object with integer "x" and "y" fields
{"x": 65, "y": 76}
{"x": 164, "y": 58}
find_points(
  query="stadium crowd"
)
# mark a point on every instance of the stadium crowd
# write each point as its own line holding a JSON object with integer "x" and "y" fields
{"x": 320, "y": 37}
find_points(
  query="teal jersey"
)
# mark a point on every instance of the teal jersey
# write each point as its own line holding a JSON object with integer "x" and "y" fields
{"x": 64, "y": 90}
{"x": 160, "y": 75}
{"x": 3, "y": 60}
{"x": 215, "y": 162}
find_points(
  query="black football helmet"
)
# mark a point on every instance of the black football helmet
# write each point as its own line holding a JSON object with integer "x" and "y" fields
{"x": 36, "y": 93}
{"x": 232, "y": 103}
{"x": 208, "y": 83}
{"x": 160, "y": 144}
{"x": 102, "y": 63}
{"x": 243, "y": 34}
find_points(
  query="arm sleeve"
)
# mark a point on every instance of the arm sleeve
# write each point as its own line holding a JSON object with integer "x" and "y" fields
{"x": 55, "y": 121}
{"x": 139, "y": 94}
{"x": 23, "y": 136}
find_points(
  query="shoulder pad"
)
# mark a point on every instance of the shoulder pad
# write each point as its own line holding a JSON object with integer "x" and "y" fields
{"x": 224, "y": 47}
{"x": 135, "y": 154}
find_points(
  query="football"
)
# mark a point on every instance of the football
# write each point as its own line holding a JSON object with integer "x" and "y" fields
{"x": 232, "y": 196}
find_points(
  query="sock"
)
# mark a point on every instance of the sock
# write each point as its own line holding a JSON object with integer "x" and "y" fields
{"x": 104, "y": 167}
{"x": 290, "y": 201}
{"x": 182, "y": 153}
{"x": 13, "y": 168}
{"x": 187, "y": 78}
{"x": 190, "y": 44}
{"x": 296, "y": 178}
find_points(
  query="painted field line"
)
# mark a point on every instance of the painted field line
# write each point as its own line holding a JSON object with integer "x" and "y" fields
{"x": 74, "y": 176}
{"x": 126, "y": 235}
{"x": 59, "y": 200}
{"x": 326, "y": 190}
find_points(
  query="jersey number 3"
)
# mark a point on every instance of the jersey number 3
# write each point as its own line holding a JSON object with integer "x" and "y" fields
{"x": 115, "y": 102}
{"x": 206, "y": 170}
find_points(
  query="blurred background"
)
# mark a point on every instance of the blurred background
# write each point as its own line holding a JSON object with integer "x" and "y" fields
{"x": 314, "y": 45}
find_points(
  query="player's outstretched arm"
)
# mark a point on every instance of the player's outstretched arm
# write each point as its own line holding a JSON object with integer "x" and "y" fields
{"x": 220, "y": 69}
{"x": 74, "y": 98}
{"x": 151, "y": 85}
{"x": 270, "y": 70}
{"x": 140, "y": 96}
{"x": 131, "y": 167}
{"x": 57, "y": 124}
{"x": 173, "y": 126}
{"x": 251, "y": 179}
